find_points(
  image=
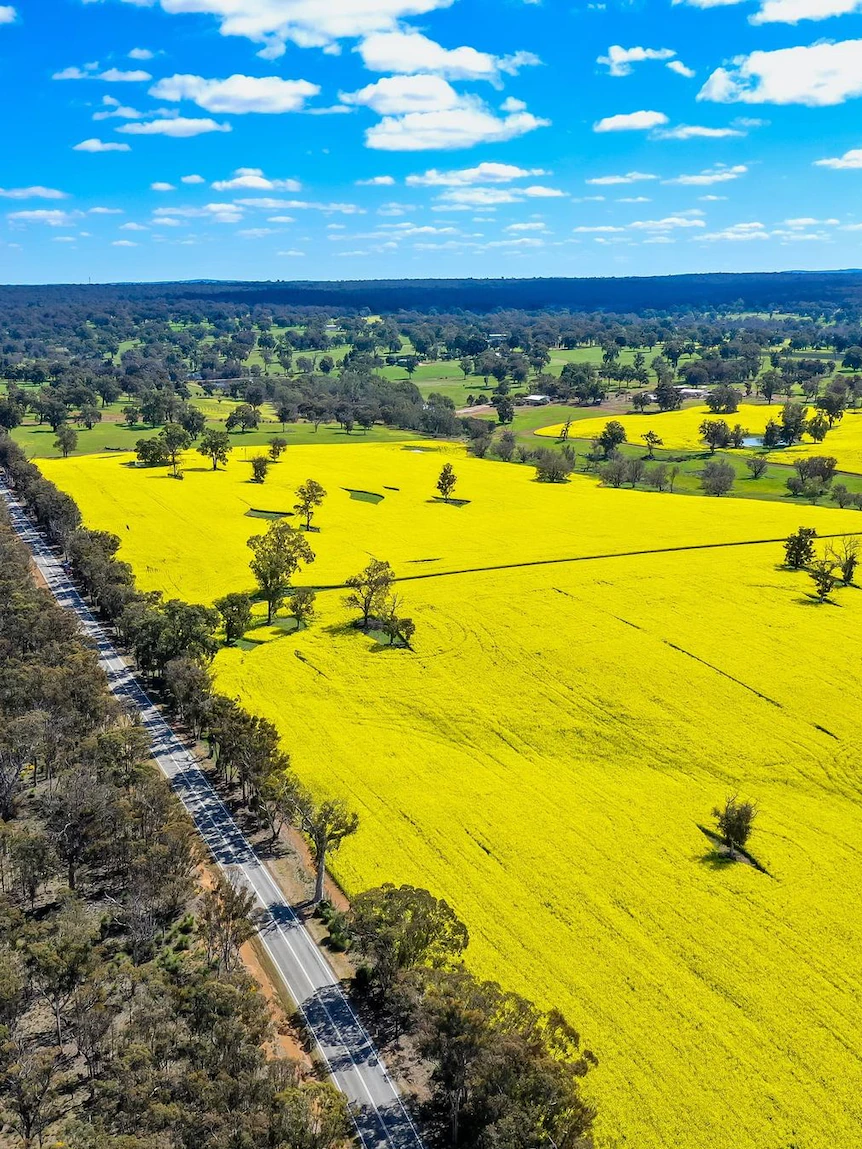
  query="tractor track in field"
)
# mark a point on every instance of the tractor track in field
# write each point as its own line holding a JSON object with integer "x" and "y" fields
{"x": 590, "y": 558}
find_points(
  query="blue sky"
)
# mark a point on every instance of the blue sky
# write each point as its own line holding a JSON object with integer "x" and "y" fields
{"x": 343, "y": 139}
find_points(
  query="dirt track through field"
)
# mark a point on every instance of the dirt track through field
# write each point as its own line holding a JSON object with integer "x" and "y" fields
{"x": 593, "y": 558}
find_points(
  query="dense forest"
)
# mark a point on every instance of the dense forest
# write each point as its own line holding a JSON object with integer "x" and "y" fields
{"x": 751, "y": 291}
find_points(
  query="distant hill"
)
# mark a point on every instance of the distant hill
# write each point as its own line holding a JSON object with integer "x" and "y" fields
{"x": 752, "y": 292}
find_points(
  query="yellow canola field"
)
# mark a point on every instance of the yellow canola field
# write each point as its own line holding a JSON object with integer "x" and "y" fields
{"x": 545, "y": 755}
{"x": 679, "y": 430}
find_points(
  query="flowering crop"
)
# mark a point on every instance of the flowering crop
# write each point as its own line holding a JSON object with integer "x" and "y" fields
{"x": 680, "y": 431}
{"x": 544, "y": 757}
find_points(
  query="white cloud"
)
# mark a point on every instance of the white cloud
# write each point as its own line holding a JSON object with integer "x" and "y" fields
{"x": 398, "y": 95}
{"x": 192, "y": 179}
{"x": 180, "y": 128}
{"x": 50, "y": 217}
{"x": 669, "y": 223}
{"x": 707, "y": 3}
{"x": 462, "y": 127}
{"x": 697, "y": 132}
{"x": 132, "y": 227}
{"x": 124, "y": 243}
{"x": 619, "y": 60}
{"x": 510, "y": 104}
{"x": 112, "y": 75}
{"x": 63, "y": 238}
{"x": 292, "y": 253}
{"x": 631, "y": 122}
{"x": 266, "y": 203}
{"x": 410, "y": 52}
{"x": 717, "y": 175}
{"x": 160, "y": 186}
{"x": 792, "y": 11}
{"x": 8, "y": 15}
{"x": 253, "y": 179}
{"x": 628, "y": 178}
{"x": 603, "y": 228}
{"x": 634, "y": 199}
{"x": 376, "y": 182}
{"x": 141, "y": 54}
{"x": 35, "y": 192}
{"x": 819, "y": 75}
{"x": 485, "y": 173}
{"x": 849, "y": 161}
{"x": 712, "y": 198}
{"x": 737, "y": 233}
{"x": 807, "y": 221}
{"x": 307, "y": 23}
{"x": 100, "y": 146}
{"x": 214, "y": 212}
{"x": 492, "y": 196}
{"x": 116, "y": 110}
{"x": 681, "y": 69}
{"x": 238, "y": 94}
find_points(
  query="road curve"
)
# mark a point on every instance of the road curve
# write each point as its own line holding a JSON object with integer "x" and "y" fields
{"x": 382, "y": 1121}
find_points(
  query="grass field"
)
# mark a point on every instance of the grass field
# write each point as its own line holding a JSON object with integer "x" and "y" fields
{"x": 679, "y": 431}
{"x": 543, "y": 757}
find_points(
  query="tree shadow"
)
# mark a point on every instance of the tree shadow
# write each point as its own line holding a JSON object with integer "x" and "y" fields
{"x": 449, "y": 502}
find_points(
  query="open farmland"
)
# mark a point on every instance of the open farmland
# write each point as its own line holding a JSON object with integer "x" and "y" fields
{"x": 679, "y": 431}
{"x": 543, "y": 757}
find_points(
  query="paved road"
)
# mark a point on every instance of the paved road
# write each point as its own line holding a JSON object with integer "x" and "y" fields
{"x": 382, "y": 1122}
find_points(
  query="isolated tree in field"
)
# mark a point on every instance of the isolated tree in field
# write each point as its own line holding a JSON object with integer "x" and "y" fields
{"x": 243, "y": 416}
{"x": 652, "y": 441}
{"x": 672, "y": 475}
{"x": 505, "y": 409}
{"x": 447, "y": 481}
{"x": 215, "y": 446}
{"x": 553, "y": 466}
{"x": 715, "y": 433}
{"x": 723, "y": 400}
{"x": 564, "y": 431}
{"x": 822, "y": 572}
{"x": 757, "y": 465}
{"x": 735, "y": 821}
{"x": 90, "y": 415}
{"x": 277, "y": 557}
{"x": 396, "y": 627}
{"x": 717, "y": 478}
{"x": 235, "y": 611}
{"x": 657, "y": 476}
{"x": 176, "y": 440}
{"x": 66, "y": 441}
{"x": 309, "y": 497}
{"x": 259, "y": 468}
{"x": 370, "y": 589}
{"x": 301, "y": 605}
{"x": 277, "y": 446}
{"x": 614, "y": 472}
{"x": 799, "y": 548}
{"x": 131, "y": 415}
{"x": 845, "y": 555}
{"x": 841, "y": 495}
{"x": 612, "y": 437}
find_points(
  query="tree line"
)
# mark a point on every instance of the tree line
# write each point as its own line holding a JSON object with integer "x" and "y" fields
{"x": 126, "y": 1019}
